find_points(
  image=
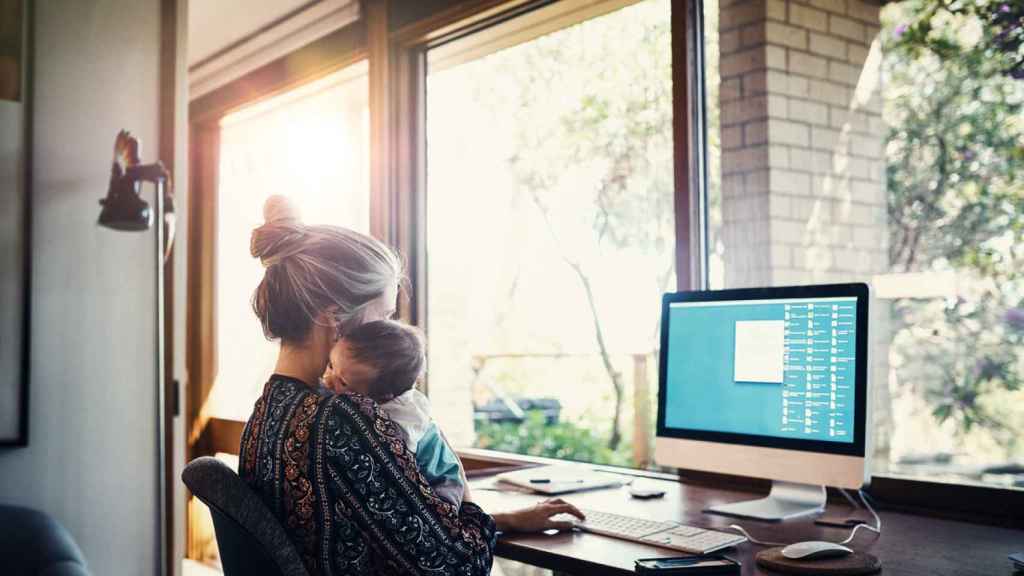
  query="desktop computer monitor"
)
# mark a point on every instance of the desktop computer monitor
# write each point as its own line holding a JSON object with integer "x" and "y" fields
{"x": 769, "y": 383}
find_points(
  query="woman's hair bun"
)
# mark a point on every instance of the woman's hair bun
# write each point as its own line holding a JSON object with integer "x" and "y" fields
{"x": 281, "y": 234}
{"x": 279, "y": 209}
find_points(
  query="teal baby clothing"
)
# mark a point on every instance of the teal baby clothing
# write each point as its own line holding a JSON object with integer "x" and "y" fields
{"x": 435, "y": 458}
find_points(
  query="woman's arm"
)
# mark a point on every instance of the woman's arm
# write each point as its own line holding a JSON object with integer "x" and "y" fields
{"x": 537, "y": 517}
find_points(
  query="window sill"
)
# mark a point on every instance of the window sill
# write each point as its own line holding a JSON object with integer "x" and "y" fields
{"x": 994, "y": 505}
{"x": 510, "y": 460}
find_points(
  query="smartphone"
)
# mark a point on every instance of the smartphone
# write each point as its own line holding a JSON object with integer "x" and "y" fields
{"x": 686, "y": 565}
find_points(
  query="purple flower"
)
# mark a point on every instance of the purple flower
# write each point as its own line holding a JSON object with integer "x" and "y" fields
{"x": 1005, "y": 8}
{"x": 1015, "y": 318}
{"x": 986, "y": 369}
{"x": 900, "y": 30}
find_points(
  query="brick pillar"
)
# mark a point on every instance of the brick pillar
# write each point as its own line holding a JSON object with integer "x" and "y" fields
{"x": 803, "y": 172}
{"x": 803, "y": 193}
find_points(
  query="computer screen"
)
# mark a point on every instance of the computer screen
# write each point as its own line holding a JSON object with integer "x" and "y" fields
{"x": 782, "y": 368}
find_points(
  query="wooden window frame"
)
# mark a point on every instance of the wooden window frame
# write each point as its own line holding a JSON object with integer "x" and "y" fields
{"x": 397, "y": 62}
{"x": 976, "y": 503}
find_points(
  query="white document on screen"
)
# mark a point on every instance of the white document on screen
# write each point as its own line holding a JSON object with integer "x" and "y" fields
{"x": 760, "y": 346}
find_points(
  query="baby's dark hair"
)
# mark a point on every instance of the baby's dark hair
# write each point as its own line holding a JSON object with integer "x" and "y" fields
{"x": 394, "y": 350}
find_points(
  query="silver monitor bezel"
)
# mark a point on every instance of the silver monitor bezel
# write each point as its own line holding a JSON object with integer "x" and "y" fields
{"x": 793, "y": 460}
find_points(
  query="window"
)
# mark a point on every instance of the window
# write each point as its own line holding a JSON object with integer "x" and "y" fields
{"x": 550, "y": 230}
{"x": 310, "y": 144}
{"x": 848, "y": 142}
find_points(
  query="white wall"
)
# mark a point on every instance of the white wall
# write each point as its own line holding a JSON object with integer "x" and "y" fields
{"x": 230, "y": 38}
{"x": 215, "y": 25}
{"x": 91, "y": 460}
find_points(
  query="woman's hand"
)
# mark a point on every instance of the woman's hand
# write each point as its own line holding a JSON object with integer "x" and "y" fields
{"x": 538, "y": 517}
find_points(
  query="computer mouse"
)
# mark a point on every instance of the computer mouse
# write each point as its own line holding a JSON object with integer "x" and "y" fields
{"x": 566, "y": 517}
{"x": 814, "y": 550}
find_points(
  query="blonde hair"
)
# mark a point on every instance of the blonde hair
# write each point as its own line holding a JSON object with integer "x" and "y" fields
{"x": 310, "y": 270}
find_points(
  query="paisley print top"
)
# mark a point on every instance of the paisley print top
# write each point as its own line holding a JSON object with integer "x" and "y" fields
{"x": 337, "y": 472}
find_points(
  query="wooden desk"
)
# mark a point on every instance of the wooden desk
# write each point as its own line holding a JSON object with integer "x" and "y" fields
{"x": 909, "y": 544}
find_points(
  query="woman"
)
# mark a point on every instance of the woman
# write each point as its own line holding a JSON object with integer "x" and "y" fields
{"x": 334, "y": 469}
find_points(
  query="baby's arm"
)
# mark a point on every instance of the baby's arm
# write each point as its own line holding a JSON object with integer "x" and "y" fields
{"x": 441, "y": 466}
{"x": 462, "y": 469}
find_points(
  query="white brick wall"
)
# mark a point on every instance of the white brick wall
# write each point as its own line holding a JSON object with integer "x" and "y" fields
{"x": 825, "y": 45}
{"x": 802, "y": 142}
{"x": 837, "y": 6}
{"x": 807, "y": 17}
{"x": 846, "y": 28}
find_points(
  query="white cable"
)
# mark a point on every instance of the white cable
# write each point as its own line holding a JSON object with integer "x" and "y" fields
{"x": 848, "y": 498}
{"x": 753, "y": 540}
{"x": 877, "y": 528}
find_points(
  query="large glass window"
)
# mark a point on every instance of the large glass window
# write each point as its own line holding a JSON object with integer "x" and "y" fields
{"x": 849, "y": 142}
{"x": 550, "y": 230}
{"x": 310, "y": 144}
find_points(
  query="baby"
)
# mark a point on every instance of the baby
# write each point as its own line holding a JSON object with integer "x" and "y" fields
{"x": 383, "y": 360}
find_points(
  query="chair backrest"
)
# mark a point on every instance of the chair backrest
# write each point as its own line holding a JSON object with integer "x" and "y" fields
{"x": 250, "y": 539}
{"x": 33, "y": 543}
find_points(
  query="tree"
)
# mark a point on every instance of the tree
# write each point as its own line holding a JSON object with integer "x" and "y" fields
{"x": 955, "y": 107}
{"x": 600, "y": 174}
{"x": 955, "y": 139}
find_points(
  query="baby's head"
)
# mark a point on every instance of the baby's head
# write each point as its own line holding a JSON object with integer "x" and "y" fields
{"x": 381, "y": 359}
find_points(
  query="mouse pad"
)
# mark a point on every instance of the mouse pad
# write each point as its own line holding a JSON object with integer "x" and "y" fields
{"x": 852, "y": 565}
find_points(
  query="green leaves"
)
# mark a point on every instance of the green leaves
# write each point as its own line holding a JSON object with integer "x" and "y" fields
{"x": 956, "y": 201}
{"x": 563, "y": 440}
{"x": 955, "y": 147}
{"x": 992, "y": 29}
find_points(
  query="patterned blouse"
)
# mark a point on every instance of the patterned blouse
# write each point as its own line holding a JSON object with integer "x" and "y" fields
{"x": 338, "y": 474}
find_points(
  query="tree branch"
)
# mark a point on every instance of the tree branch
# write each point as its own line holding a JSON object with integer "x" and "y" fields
{"x": 614, "y": 375}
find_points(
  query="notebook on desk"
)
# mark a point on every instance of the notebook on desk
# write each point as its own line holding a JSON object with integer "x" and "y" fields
{"x": 553, "y": 480}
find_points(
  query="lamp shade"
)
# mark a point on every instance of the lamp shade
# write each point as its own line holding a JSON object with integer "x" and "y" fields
{"x": 123, "y": 208}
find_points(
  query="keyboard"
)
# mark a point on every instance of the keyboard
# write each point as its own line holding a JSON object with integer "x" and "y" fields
{"x": 690, "y": 539}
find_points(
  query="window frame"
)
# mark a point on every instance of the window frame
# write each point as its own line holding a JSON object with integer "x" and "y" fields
{"x": 397, "y": 60}
{"x": 978, "y": 503}
{"x": 409, "y": 57}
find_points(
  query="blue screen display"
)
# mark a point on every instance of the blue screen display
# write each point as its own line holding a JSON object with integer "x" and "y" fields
{"x": 782, "y": 368}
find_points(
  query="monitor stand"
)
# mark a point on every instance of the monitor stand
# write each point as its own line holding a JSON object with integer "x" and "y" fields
{"x": 786, "y": 500}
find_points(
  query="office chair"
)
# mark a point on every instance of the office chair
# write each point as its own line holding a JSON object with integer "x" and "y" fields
{"x": 33, "y": 543}
{"x": 251, "y": 540}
